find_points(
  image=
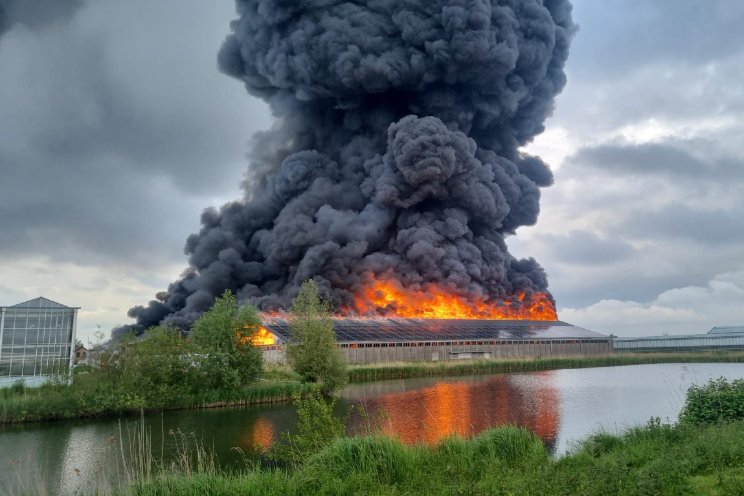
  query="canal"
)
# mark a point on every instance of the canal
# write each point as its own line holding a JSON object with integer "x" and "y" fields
{"x": 560, "y": 406}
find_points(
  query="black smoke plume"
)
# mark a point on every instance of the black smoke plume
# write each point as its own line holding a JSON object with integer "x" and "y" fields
{"x": 395, "y": 153}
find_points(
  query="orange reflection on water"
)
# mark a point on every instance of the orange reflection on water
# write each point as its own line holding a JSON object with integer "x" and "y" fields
{"x": 262, "y": 434}
{"x": 465, "y": 408}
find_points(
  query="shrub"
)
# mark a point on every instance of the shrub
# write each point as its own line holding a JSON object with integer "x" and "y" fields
{"x": 717, "y": 401}
{"x": 312, "y": 351}
{"x": 224, "y": 335}
{"x": 317, "y": 427}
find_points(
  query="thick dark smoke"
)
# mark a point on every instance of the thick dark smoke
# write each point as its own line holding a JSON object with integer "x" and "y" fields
{"x": 396, "y": 152}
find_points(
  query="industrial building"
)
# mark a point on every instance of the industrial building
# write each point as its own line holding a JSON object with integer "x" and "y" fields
{"x": 378, "y": 340}
{"x": 718, "y": 338}
{"x": 37, "y": 341}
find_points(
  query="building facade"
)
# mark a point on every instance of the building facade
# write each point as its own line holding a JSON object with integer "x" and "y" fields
{"x": 379, "y": 340}
{"x": 37, "y": 341}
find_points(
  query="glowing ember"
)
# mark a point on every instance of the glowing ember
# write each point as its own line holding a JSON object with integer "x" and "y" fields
{"x": 391, "y": 299}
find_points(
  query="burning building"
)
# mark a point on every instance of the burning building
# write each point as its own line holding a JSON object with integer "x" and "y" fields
{"x": 378, "y": 340}
{"x": 394, "y": 172}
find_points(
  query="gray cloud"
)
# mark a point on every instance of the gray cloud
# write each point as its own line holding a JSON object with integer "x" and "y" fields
{"x": 669, "y": 159}
{"x": 585, "y": 247}
{"x": 35, "y": 13}
{"x": 104, "y": 126}
{"x": 690, "y": 308}
{"x": 681, "y": 222}
{"x": 619, "y": 36}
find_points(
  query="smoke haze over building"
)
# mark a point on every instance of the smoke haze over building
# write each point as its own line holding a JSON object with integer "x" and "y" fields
{"x": 395, "y": 154}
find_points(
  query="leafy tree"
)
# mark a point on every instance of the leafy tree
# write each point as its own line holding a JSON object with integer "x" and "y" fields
{"x": 312, "y": 350}
{"x": 157, "y": 369}
{"x": 223, "y": 335}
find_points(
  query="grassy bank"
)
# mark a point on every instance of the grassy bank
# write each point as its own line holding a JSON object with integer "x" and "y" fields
{"x": 651, "y": 460}
{"x": 68, "y": 402}
{"x": 401, "y": 370}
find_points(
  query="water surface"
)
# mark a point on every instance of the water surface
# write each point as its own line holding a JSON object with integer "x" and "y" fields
{"x": 561, "y": 407}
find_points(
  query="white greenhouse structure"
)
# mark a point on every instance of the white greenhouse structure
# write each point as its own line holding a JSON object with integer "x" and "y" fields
{"x": 37, "y": 341}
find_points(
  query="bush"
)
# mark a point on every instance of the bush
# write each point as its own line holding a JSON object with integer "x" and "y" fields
{"x": 312, "y": 350}
{"x": 157, "y": 370}
{"x": 717, "y": 401}
{"x": 317, "y": 427}
{"x": 224, "y": 336}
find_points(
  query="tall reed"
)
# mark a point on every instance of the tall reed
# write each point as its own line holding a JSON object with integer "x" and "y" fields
{"x": 402, "y": 370}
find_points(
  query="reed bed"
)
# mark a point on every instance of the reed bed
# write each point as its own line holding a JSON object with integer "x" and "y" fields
{"x": 403, "y": 370}
{"x": 65, "y": 402}
{"x": 654, "y": 459}
{"x": 258, "y": 394}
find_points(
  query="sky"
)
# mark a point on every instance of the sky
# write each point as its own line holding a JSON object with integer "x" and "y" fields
{"x": 117, "y": 130}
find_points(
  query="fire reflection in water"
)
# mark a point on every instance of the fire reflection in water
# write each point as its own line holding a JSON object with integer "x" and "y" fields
{"x": 262, "y": 434}
{"x": 469, "y": 407}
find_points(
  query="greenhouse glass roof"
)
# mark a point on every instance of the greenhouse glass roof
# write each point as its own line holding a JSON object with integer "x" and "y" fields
{"x": 396, "y": 329}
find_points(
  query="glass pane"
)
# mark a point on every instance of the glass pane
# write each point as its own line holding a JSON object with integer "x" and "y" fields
{"x": 19, "y": 336}
{"x": 32, "y": 337}
{"x": 33, "y": 321}
{"x": 47, "y": 321}
{"x": 15, "y": 368}
{"x": 28, "y": 367}
{"x": 21, "y": 317}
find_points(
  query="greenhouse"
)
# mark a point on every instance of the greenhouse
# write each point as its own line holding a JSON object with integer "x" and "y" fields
{"x": 377, "y": 340}
{"x": 731, "y": 337}
{"x": 37, "y": 339}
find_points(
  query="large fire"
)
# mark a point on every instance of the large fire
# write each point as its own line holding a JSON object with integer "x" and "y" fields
{"x": 262, "y": 337}
{"x": 391, "y": 299}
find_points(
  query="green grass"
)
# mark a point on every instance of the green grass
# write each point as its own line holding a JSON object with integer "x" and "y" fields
{"x": 55, "y": 402}
{"x": 402, "y": 370}
{"x": 651, "y": 460}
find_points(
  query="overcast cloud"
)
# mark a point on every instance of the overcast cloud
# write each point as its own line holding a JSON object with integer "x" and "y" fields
{"x": 116, "y": 130}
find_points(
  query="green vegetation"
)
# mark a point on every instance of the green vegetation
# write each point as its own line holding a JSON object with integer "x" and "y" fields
{"x": 312, "y": 351}
{"x": 216, "y": 365}
{"x": 223, "y": 335}
{"x": 718, "y": 401}
{"x": 84, "y": 400}
{"x": 656, "y": 459}
{"x": 652, "y": 460}
{"x": 402, "y": 370}
{"x": 317, "y": 427}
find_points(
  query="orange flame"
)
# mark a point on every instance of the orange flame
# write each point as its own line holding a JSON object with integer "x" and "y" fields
{"x": 391, "y": 299}
{"x": 262, "y": 337}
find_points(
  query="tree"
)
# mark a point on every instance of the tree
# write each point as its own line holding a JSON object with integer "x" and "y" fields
{"x": 156, "y": 369}
{"x": 312, "y": 350}
{"x": 224, "y": 335}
